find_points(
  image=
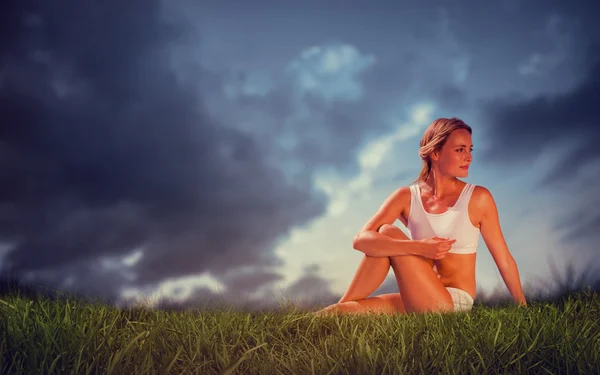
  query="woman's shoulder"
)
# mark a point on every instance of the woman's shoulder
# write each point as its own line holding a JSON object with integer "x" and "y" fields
{"x": 404, "y": 192}
{"x": 402, "y": 196}
{"x": 482, "y": 196}
{"x": 480, "y": 190}
{"x": 399, "y": 199}
{"x": 400, "y": 193}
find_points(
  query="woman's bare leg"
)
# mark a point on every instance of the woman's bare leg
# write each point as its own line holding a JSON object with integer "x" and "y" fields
{"x": 371, "y": 272}
{"x": 419, "y": 285}
{"x": 390, "y": 303}
{"x": 420, "y": 289}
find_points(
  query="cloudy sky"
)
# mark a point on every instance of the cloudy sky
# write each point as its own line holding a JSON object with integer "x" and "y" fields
{"x": 196, "y": 151}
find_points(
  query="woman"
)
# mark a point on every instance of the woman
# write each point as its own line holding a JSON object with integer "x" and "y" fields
{"x": 435, "y": 271}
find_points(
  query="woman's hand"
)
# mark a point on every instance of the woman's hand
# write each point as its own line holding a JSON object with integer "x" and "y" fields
{"x": 436, "y": 247}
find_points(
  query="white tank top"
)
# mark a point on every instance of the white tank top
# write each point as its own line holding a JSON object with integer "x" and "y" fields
{"x": 454, "y": 223}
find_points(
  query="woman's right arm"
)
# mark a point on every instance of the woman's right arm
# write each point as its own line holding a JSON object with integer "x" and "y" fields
{"x": 372, "y": 243}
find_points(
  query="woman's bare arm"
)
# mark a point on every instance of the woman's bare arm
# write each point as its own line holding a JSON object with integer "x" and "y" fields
{"x": 375, "y": 244}
{"x": 372, "y": 243}
{"x": 494, "y": 240}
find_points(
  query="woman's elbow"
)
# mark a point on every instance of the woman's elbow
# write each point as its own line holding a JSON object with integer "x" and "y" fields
{"x": 356, "y": 242}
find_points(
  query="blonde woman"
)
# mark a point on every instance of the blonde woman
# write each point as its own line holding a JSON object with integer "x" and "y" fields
{"x": 435, "y": 270}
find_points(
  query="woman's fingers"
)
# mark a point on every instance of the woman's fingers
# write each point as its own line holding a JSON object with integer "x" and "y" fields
{"x": 441, "y": 245}
{"x": 444, "y": 247}
{"x": 447, "y": 239}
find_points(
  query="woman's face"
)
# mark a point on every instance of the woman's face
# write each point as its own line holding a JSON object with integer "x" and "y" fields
{"x": 456, "y": 153}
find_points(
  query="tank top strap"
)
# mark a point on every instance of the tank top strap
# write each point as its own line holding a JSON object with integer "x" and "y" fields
{"x": 466, "y": 196}
{"x": 413, "y": 195}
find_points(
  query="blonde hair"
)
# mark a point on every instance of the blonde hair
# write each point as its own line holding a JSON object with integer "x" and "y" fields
{"x": 434, "y": 138}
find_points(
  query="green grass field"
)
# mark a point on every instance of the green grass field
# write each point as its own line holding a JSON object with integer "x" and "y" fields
{"x": 45, "y": 335}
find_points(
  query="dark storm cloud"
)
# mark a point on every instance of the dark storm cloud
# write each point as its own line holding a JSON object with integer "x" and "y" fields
{"x": 85, "y": 277}
{"x": 522, "y": 129}
{"x": 103, "y": 150}
{"x": 311, "y": 289}
{"x": 248, "y": 280}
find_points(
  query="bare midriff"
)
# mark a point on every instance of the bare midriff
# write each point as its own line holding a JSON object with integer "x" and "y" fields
{"x": 458, "y": 271}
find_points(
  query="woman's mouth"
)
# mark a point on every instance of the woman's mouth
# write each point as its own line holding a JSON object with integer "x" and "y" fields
{"x": 465, "y": 167}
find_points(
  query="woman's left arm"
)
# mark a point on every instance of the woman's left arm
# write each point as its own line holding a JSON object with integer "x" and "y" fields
{"x": 494, "y": 240}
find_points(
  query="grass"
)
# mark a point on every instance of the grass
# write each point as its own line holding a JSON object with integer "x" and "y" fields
{"x": 49, "y": 335}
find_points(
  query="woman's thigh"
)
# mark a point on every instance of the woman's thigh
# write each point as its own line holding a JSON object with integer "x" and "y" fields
{"x": 419, "y": 285}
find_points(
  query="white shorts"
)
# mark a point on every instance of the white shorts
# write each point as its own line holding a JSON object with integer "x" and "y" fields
{"x": 462, "y": 300}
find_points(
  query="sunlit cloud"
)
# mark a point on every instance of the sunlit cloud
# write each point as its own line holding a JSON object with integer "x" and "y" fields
{"x": 175, "y": 289}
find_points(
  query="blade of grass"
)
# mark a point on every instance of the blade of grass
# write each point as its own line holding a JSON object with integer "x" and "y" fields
{"x": 173, "y": 360}
{"x": 229, "y": 370}
{"x": 119, "y": 355}
{"x": 497, "y": 332}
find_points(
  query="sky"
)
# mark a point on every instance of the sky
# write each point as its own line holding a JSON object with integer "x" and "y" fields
{"x": 193, "y": 152}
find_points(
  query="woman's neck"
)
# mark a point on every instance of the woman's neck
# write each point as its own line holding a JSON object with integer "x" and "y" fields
{"x": 441, "y": 187}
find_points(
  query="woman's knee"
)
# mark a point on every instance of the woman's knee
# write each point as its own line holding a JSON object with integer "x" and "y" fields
{"x": 391, "y": 230}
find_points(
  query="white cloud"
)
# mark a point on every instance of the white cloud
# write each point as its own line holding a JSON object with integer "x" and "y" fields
{"x": 372, "y": 155}
{"x": 133, "y": 258}
{"x": 331, "y": 71}
{"x": 176, "y": 290}
{"x": 122, "y": 262}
